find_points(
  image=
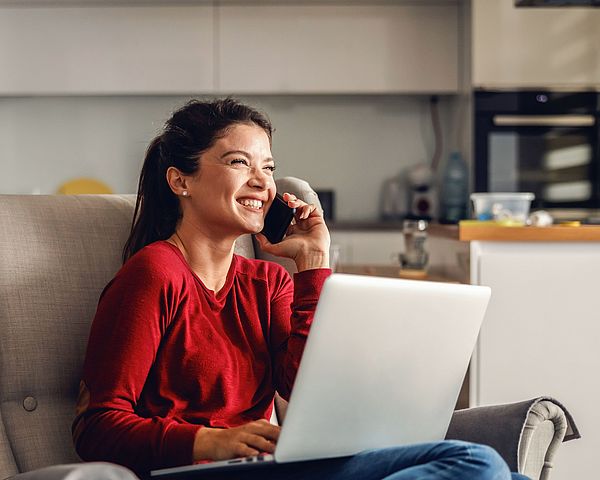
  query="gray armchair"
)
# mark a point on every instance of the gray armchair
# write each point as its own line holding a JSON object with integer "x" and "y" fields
{"x": 56, "y": 255}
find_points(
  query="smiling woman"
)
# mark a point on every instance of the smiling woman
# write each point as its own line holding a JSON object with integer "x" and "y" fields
{"x": 190, "y": 342}
{"x": 152, "y": 384}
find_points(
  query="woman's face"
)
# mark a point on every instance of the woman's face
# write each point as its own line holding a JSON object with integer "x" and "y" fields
{"x": 234, "y": 185}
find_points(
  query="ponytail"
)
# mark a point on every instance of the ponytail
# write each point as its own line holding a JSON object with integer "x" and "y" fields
{"x": 156, "y": 208}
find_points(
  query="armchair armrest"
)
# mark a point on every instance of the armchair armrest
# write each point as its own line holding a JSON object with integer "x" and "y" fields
{"x": 526, "y": 434}
{"x": 79, "y": 471}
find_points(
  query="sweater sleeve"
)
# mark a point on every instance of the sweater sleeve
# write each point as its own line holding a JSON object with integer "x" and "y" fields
{"x": 292, "y": 310}
{"x": 132, "y": 315}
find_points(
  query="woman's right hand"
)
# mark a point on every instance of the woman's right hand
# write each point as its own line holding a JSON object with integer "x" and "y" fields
{"x": 244, "y": 441}
{"x": 307, "y": 240}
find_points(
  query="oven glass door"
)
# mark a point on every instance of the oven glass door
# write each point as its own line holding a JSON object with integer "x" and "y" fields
{"x": 555, "y": 157}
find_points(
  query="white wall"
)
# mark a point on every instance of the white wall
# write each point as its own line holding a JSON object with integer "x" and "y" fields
{"x": 346, "y": 143}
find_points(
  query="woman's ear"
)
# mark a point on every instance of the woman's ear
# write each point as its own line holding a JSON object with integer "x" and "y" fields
{"x": 177, "y": 182}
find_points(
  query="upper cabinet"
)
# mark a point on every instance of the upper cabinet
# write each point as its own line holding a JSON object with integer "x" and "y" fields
{"x": 106, "y": 50}
{"x": 337, "y": 49}
{"x": 534, "y": 47}
{"x": 229, "y": 47}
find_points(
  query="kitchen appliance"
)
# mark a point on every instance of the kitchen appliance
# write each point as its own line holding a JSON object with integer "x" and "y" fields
{"x": 545, "y": 142}
{"x": 422, "y": 197}
{"x": 393, "y": 198}
{"x": 412, "y": 194}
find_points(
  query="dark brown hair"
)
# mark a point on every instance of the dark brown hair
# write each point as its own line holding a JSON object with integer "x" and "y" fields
{"x": 189, "y": 132}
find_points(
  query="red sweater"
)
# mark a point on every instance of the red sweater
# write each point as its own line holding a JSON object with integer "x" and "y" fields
{"x": 167, "y": 356}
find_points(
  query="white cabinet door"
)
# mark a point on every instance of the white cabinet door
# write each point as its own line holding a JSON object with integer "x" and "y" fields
{"x": 337, "y": 49}
{"x": 534, "y": 47}
{"x": 88, "y": 50}
{"x": 541, "y": 336}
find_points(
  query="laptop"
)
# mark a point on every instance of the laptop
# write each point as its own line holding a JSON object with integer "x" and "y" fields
{"x": 383, "y": 366}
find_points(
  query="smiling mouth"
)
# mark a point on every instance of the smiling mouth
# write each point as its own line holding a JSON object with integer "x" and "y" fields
{"x": 250, "y": 203}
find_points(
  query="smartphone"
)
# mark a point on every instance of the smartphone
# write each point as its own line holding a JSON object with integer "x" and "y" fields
{"x": 277, "y": 220}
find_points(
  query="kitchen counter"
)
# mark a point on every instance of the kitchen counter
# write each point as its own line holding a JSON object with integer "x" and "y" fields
{"x": 554, "y": 233}
{"x": 540, "y": 332}
{"x": 434, "y": 274}
{"x": 435, "y": 229}
{"x": 484, "y": 231}
{"x": 379, "y": 243}
{"x": 496, "y": 233}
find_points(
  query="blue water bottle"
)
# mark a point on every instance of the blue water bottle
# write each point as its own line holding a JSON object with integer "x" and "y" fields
{"x": 455, "y": 190}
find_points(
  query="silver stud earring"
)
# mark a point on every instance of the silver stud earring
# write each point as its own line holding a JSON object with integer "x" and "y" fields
{"x": 185, "y": 193}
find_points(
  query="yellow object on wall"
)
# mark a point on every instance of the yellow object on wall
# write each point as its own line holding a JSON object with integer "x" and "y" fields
{"x": 79, "y": 186}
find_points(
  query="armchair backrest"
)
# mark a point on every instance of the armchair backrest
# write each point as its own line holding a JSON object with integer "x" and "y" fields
{"x": 57, "y": 253}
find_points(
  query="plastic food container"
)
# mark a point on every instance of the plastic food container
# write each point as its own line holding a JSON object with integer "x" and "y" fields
{"x": 502, "y": 207}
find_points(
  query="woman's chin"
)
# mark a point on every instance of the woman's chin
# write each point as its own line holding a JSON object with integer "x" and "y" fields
{"x": 254, "y": 228}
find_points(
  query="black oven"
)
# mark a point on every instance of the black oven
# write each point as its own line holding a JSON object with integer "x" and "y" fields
{"x": 541, "y": 142}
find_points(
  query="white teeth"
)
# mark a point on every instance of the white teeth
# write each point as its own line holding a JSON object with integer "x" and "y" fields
{"x": 257, "y": 204}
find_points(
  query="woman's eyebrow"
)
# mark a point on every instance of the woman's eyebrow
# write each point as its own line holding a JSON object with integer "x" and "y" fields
{"x": 237, "y": 152}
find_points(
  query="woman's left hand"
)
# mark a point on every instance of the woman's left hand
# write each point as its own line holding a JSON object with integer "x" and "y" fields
{"x": 307, "y": 240}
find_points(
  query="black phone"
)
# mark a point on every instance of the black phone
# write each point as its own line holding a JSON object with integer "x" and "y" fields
{"x": 277, "y": 220}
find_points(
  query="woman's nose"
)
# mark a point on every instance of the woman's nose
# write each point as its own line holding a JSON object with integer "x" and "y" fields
{"x": 260, "y": 179}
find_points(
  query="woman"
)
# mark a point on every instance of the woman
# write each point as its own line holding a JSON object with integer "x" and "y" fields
{"x": 190, "y": 341}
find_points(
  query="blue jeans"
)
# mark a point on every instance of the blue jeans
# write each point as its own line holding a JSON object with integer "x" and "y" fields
{"x": 447, "y": 460}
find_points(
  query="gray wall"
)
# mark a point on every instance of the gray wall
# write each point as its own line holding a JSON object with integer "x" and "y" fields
{"x": 346, "y": 143}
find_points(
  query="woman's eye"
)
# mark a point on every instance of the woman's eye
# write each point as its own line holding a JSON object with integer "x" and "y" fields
{"x": 271, "y": 168}
{"x": 239, "y": 160}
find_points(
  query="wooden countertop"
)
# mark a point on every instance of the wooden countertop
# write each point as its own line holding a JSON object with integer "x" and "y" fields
{"x": 554, "y": 233}
{"x": 469, "y": 230}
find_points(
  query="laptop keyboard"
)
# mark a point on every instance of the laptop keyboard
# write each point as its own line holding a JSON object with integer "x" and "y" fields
{"x": 266, "y": 457}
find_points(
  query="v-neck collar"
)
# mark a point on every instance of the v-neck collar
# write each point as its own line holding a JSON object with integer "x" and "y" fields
{"x": 222, "y": 293}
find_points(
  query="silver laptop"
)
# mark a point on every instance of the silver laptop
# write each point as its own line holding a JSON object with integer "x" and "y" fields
{"x": 383, "y": 366}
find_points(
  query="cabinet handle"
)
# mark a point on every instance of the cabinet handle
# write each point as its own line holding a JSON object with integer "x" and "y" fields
{"x": 544, "y": 120}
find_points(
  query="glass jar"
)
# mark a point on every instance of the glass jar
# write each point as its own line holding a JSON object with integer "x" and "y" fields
{"x": 415, "y": 256}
